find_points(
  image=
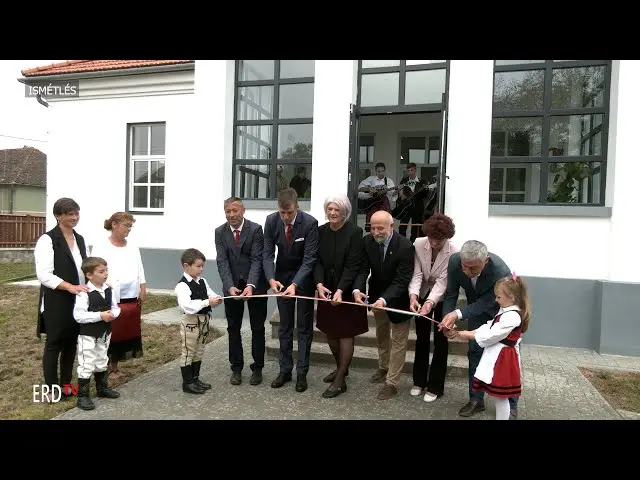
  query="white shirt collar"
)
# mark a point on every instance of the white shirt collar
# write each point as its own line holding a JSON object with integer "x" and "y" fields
{"x": 239, "y": 228}
{"x": 190, "y": 278}
{"x": 292, "y": 221}
{"x": 509, "y": 309}
{"x": 92, "y": 287}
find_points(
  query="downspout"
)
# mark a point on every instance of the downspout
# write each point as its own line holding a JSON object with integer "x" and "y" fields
{"x": 12, "y": 194}
{"x": 41, "y": 101}
{"x": 39, "y": 98}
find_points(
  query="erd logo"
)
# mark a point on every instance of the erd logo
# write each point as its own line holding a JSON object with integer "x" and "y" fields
{"x": 53, "y": 394}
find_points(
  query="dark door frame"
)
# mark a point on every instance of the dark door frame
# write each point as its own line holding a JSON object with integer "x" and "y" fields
{"x": 357, "y": 111}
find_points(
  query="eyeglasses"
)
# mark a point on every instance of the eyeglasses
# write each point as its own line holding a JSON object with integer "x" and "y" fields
{"x": 127, "y": 225}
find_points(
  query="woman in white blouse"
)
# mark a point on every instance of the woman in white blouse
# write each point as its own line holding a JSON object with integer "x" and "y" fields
{"x": 58, "y": 255}
{"x": 426, "y": 292}
{"x": 126, "y": 274}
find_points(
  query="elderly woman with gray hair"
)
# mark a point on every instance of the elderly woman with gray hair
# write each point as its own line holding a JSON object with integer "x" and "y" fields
{"x": 339, "y": 259}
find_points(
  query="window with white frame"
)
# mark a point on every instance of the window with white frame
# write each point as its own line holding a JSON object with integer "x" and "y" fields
{"x": 146, "y": 162}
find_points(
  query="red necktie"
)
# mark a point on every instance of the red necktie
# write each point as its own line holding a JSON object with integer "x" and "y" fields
{"x": 288, "y": 233}
{"x": 236, "y": 234}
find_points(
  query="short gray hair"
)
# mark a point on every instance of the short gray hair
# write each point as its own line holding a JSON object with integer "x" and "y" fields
{"x": 343, "y": 203}
{"x": 473, "y": 250}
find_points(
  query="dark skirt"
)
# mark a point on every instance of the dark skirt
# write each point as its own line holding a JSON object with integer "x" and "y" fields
{"x": 341, "y": 321}
{"x": 126, "y": 335}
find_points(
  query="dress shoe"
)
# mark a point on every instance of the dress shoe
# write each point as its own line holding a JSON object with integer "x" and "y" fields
{"x": 470, "y": 408}
{"x": 236, "y": 378}
{"x": 301, "y": 383}
{"x": 379, "y": 377}
{"x": 256, "y": 377}
{"x": 332, "y": 376}
{"x": 331, "y": 393}
{"x": 280, "y": 380}
{"x": 387, "y": 392}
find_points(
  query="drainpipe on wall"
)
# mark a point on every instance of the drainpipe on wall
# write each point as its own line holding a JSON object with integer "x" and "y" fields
{"x": 39, "y": 98}
{"x": 41, "y": 101}
{"x": 12, "y": 194}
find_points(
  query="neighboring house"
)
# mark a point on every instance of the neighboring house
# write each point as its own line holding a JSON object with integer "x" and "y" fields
{"x": 23, "y": 181}
{"x": 538, "y": 158}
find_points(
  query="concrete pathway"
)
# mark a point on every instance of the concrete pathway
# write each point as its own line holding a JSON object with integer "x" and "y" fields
{"x": 553, "y": 389}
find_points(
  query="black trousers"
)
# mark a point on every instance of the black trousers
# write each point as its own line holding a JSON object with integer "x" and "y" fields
{"x": 432, "y": 377}
{"x": 64, "y": 349}
{"x": 415, "y": 217}
{"x": 299, "y": 314}
{"x": 234, "y": 311}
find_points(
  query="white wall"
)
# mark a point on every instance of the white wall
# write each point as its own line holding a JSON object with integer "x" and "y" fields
{"x": 333, "y": 95}
{"x": 89, "y": 137}
{"x": 624, "y": 174}
{"x": 87, "y": 161}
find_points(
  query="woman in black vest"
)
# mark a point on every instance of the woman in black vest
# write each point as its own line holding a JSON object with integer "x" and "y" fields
{"x": 59, "y": 254}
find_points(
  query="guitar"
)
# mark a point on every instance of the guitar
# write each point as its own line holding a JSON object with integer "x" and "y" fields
{"x": 379, "y": 194}
{"x": 428, "y": 191}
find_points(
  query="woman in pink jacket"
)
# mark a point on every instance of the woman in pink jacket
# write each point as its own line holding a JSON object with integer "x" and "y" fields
{"x": 426, "y": 291}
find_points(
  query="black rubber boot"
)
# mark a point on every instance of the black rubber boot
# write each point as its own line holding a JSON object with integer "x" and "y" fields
{"x": 188, "y": 385}
{"x": 196, "y": 374}
{"x": 84, "y": 400}
{"x": 102, "y": 387}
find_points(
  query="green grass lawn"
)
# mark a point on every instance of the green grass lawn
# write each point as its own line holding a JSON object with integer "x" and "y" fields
{"x": 9, "y": 271}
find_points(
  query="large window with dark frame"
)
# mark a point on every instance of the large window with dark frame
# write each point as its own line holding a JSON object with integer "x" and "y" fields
{"x": 273, "y": 127}
{"x": 549, "y": 132}
{"x": 401, "y": 85}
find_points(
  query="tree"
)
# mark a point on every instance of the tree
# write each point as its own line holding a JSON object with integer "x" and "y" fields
{"x": 299, "y": 150}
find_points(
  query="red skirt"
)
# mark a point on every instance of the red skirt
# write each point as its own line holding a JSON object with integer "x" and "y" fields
{"x": 126, "y": 334}
{"x": 341, "y": 321}
{"x": 506, "y": 376}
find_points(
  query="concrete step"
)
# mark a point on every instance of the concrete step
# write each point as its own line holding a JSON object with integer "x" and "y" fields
{"x": 368, "y": 339}
{"x": 366, "y": 357}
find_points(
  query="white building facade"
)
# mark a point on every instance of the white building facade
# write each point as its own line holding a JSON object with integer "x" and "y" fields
{"x": 534, "y": 158}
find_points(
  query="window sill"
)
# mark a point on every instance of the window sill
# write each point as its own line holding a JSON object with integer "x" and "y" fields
{"x": 271, "y": 204}
{"x": 145, "y": 212}
{"x": 551, "y": 210}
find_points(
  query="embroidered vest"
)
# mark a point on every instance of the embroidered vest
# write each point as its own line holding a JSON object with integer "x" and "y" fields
{"x": 512, "y": 339}
{"x": 198, "y": 292}
{"x": 97, "y": 304}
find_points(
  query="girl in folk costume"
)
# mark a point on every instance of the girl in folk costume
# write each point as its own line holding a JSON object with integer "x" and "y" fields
{"x": 498, "y": 373}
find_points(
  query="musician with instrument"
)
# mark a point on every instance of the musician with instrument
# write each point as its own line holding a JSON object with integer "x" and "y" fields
{"x": 410, "y": 206}
{"x": 376, "y": 192}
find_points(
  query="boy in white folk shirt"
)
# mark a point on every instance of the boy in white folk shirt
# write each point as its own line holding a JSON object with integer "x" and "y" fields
{"x": 94, "y": 311}
{"x": 195, "y": 299}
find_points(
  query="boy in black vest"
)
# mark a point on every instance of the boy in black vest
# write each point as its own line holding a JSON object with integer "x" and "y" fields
{"x": 195, "y": 299}
{"x": 94, "y": 311}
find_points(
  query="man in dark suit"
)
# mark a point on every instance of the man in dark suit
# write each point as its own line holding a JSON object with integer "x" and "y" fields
{"x": 476, "y": 270}
{"x": 295, "y": 233}
{"x": 389, "y": 257}
{"x": 239, "y": 246}
{"x": 410, "y": 205}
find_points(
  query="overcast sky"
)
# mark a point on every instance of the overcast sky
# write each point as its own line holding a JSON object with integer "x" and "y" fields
{"x": 19, "y": 116}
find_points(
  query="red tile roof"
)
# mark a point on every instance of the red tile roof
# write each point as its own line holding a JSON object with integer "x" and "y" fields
{"x": 81, "y": 66}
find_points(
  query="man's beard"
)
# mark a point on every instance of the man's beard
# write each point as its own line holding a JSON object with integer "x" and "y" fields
{"x": 380, "y": 240}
